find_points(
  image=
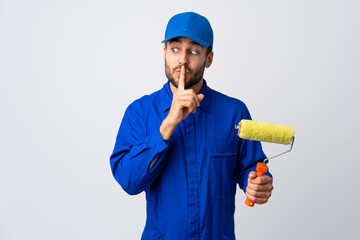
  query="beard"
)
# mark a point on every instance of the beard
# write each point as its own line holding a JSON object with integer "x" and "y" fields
{"x": 196, "y": 75}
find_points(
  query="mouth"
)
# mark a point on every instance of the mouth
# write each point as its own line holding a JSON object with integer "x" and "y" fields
{"x": 178, "y": 72}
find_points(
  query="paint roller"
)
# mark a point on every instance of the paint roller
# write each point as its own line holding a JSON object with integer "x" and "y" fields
{"x": 265, "y": 132}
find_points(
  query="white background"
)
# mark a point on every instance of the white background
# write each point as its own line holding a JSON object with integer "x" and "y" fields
{"x": 69, "y": 69}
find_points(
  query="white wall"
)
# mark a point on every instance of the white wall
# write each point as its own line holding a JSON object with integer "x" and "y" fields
{"x": 68, "y": 70}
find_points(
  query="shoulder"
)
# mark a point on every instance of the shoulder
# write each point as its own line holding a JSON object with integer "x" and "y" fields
{"x": 226, "y": 102}
{"x": 145, "y": 102}
{"x": 146, "y": 109}
{"x": 226, "y": 113}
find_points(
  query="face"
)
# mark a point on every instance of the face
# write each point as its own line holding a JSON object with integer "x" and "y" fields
{"x": 184, "y": 51}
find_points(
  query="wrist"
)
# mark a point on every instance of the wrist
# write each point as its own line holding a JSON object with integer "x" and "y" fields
{"x": 166, "y": 129}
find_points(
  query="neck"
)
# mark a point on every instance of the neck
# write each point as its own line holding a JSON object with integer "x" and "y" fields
{"x": 197, "y": 87}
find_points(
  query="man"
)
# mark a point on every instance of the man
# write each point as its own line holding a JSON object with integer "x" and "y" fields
{"x": 179, "y": 145}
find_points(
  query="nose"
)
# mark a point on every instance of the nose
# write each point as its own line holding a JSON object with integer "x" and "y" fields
{"x": 183, "y": 60}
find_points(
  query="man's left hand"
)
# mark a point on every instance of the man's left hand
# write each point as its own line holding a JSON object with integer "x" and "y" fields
{"x": 259, "y": 189}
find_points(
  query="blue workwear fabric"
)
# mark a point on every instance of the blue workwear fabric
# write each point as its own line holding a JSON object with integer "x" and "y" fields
{"x": 190, "y": 188}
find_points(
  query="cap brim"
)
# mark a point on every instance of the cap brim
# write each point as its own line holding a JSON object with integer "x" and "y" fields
{"x": 188, "y": 35}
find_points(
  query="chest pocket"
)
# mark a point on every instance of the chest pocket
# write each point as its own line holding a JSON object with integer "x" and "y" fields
{"x": 223, "y": 167}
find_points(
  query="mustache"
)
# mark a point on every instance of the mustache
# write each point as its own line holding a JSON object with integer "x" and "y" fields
{"x": 186, "y": 69}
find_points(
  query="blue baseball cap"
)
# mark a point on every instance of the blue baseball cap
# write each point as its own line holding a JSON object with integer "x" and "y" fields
{"x": 190, "y": 25}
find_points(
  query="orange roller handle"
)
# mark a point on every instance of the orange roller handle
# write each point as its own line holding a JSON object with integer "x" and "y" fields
{"x": 261, "y": 168}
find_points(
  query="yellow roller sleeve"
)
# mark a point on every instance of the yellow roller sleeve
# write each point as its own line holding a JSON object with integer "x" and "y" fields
{"x": 265, "y": 132}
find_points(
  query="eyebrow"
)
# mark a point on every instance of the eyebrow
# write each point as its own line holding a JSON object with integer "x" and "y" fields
{"x": 177, "y": 40}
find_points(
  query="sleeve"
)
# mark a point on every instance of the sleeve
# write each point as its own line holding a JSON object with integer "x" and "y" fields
{"x": 249, "y": 154}
{"x": 134, "y": 150}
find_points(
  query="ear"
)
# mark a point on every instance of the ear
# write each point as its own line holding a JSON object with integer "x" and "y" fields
{"x": 164, "y": 52}
{"x": 209, "y": 59}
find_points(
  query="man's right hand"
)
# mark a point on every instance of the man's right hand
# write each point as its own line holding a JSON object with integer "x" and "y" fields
{"x": 184, "y": 102}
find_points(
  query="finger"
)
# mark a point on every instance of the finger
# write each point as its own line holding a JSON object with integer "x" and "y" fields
{"x": 258, "y": 194}
{"x": 185, "y": 103}
{"x": 190, "y": 105}
{"x": 188, "y": 95}
{"x": 196, "y": 100}
{"x": 261, "y": 188}
{"x": 261, "y": 180}
{"x": 257, "y": 200}
{"x": 181, "y": 85}
{"x": 200, "y": 97}
{"x": 252, "y": 175}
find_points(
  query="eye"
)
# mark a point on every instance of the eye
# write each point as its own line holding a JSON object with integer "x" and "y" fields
{"x": 194, "y": 52}
{"x": 175, "y": 50}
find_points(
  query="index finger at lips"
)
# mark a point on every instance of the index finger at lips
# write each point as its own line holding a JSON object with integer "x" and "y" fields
{"x": 181, "y": 85}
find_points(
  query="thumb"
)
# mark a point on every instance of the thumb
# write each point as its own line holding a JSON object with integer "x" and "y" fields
{"x": 252, "y": 175}
{"x": 200, "y": 97}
